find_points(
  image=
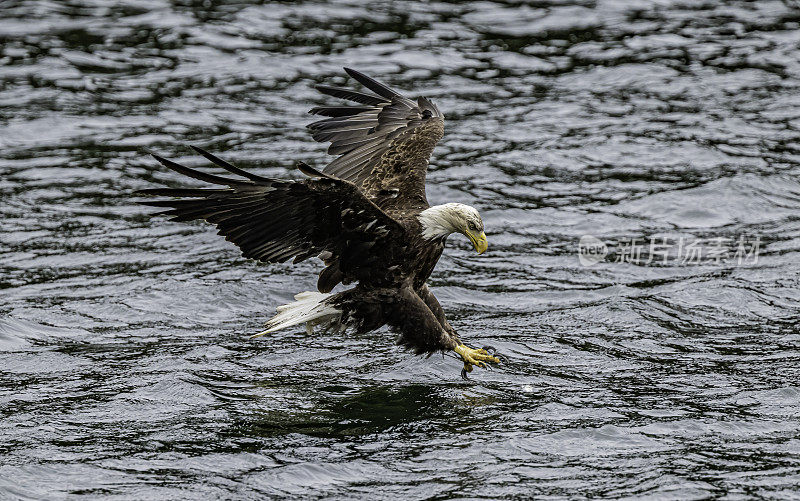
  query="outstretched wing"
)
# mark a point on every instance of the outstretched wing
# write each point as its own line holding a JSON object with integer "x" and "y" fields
{"x": 383, "y": 144}
{"x": 273, "y": 220}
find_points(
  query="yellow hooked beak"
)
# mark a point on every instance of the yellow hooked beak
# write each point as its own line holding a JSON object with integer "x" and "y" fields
{"x": 478, "y": 241}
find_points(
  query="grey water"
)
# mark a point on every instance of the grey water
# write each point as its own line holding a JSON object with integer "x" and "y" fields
{"x": 639, "y": 128}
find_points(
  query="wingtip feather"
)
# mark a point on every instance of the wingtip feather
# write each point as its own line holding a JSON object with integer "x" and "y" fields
{"x": 310, "y": 171}
{"x": 372, "y": 84}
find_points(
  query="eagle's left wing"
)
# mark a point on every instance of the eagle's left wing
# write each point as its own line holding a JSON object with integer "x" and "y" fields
{"x": 274, "y": 220}
{"x": 383, "y": 144}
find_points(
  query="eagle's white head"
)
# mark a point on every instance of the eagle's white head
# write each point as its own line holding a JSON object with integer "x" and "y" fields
{"x": 440, "y": 221}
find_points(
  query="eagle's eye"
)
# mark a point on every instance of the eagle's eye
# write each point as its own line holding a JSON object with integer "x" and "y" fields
{"x": 427, "y": 114}
{"x": 472, "y": 226}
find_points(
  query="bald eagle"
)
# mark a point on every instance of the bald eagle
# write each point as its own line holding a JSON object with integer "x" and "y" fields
{"x": 365, "y": 215}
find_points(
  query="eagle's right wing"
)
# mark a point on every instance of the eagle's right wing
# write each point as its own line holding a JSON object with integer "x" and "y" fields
{"x": 383, "y": 144}
{"x": 273, "y": 220}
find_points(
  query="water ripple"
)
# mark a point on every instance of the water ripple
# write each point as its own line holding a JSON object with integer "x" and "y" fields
{"x": 127, "y": 367}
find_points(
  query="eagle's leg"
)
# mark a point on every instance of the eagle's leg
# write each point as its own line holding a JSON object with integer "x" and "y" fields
{"x": 470, "y": 356}
{"x": 406, "y": 313}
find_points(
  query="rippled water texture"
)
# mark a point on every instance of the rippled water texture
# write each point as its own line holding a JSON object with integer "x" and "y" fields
{"x": 125, "y": 364}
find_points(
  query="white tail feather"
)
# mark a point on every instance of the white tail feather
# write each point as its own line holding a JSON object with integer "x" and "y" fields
{"x": 309, "y": 307}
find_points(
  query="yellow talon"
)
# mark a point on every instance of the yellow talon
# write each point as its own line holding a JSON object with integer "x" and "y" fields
{"x": 474, "y": 357}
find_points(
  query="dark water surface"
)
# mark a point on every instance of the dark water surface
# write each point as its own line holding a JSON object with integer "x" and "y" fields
{"x": 125, "y": 365}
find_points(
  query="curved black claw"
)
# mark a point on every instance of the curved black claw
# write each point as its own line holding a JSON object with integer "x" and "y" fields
{"x": 491, "y": 350}
{"x": 464, "y": 374}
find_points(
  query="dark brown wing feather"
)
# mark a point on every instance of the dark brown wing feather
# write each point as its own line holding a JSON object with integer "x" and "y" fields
{"x": 384, "y": 144}
{"x": 273, "y": 220}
